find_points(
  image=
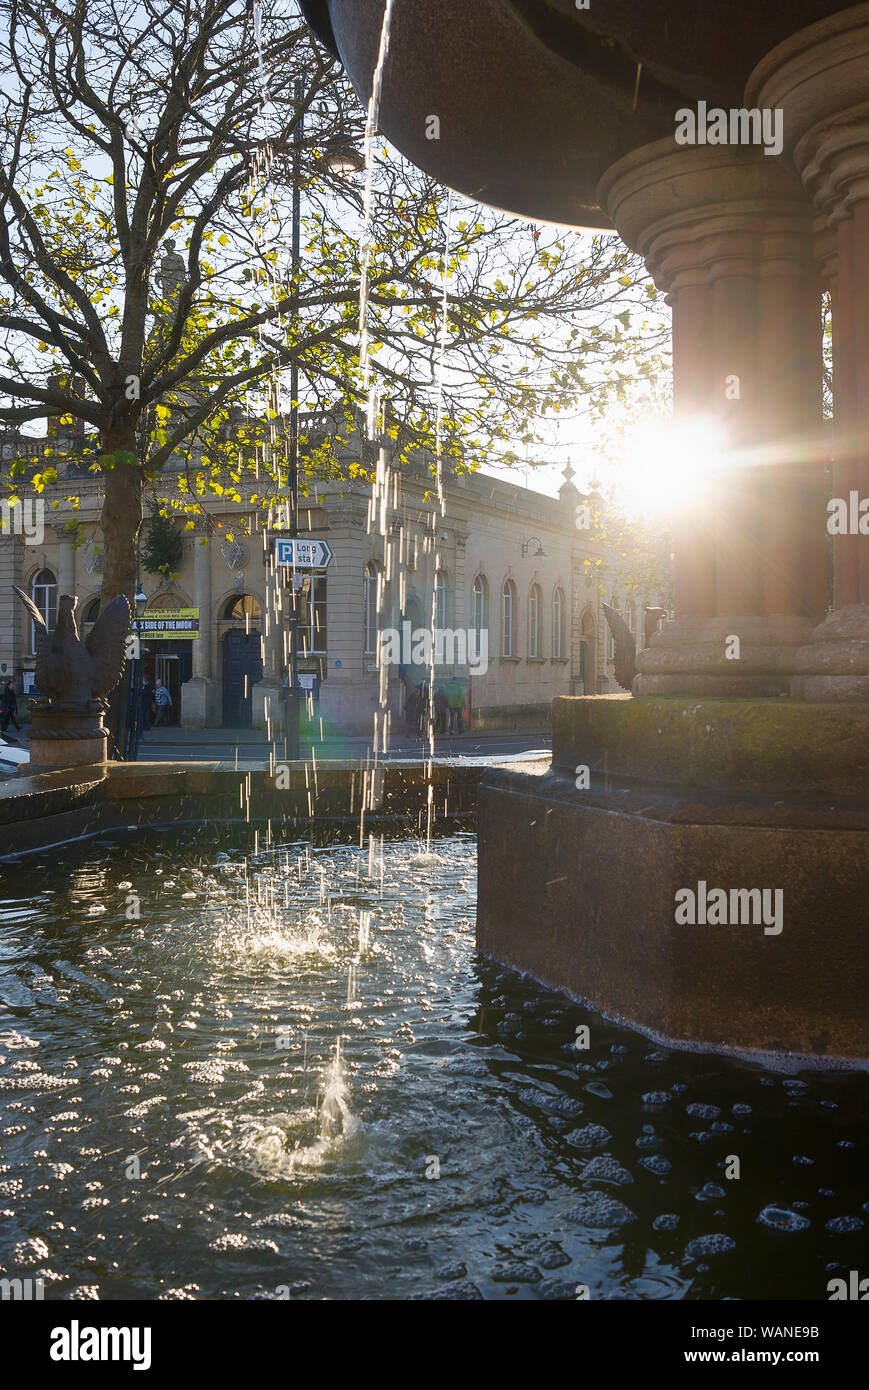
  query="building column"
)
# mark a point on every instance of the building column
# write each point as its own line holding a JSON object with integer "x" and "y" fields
{"x": 266, "y": 694}
{"x": 10, "y": 609}
{"x": 818, "y": 79}
{"x": 65, "y": 561}
{"x": 727, "y": 233}
{"x": 200, "y": 704}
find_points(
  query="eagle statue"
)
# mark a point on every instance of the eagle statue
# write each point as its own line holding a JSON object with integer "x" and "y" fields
{"x": 72, "y": 672}
{"x": 625, "y": 665}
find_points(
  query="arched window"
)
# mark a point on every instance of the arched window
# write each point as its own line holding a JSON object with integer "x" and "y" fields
{"x": 508, "y": 618}
{"x": 611, "y": 641}
{"x": 479, "y": 618}
{"x": 370, "y": 607}
{"x": 440, "y": 600}
{"x": 91, "y": 611}
{"x": 240, "y": 608}
{"x": 43, "y": 591}
{"x": 535, "y": 604}
{"x": 559, "y": 611}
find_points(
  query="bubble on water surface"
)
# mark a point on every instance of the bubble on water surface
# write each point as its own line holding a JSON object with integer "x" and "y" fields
{"x": 781, "y": 1219}
{"x": 844, "y": 1225}
{"x": 466, "y": 1066}
{"x": 667, "y": 1221}
{"x": 604, "y": 1168}
{"x": 459, "y": 1291}
{"x": 705, "y": 1246}
{"x": 601, "y": 1213}
{"x": 702, "y": 1112}
{"x": 589, "y": 1137}
{"x": 656, "y": 1164}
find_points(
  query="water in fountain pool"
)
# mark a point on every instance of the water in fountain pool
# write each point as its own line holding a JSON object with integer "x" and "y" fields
{"x": 290, "y": 1076}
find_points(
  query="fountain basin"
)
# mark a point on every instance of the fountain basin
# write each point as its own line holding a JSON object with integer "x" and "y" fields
{"x": 51, "y": 807}
{"x": 287, "y": 1076}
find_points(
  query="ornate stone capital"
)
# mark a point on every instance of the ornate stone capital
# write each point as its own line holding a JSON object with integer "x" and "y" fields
{"x": 818, "y": 78}
{"x": 697, "y": 213}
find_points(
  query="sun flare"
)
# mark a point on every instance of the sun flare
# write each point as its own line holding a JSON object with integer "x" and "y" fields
{"x": 664, "y": 465}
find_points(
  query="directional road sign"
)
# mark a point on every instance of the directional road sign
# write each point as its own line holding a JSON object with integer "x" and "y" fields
{"x": 301, "y": 553}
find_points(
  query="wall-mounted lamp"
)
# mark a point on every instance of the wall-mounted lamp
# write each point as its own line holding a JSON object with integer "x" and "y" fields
{"x": 526, "y": 547}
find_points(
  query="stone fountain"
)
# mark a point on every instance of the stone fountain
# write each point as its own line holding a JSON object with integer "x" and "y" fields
{"x": 734, "y": 766}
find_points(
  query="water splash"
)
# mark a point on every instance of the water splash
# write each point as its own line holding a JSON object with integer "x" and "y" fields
{"x": 366, "y": 242}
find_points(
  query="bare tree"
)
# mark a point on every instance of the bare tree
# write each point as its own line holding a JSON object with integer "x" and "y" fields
{"x": 133, "y": 128}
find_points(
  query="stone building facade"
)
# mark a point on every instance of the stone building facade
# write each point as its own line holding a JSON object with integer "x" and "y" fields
{"x": 503, "y": 570}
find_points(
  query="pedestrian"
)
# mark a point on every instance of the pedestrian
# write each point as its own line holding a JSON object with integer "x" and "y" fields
{"x": 9, "y": 708}
{"x": 163, "y": 701}
{"x": 455, "y": 692}
{"x": 411, "y": 710}
{"x": 422, "y": 707}
{"x": 147, "y": 700}
{"x": 442, "y": 710}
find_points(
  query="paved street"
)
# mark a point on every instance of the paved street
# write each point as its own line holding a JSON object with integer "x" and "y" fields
{"x": 220, "y": 745}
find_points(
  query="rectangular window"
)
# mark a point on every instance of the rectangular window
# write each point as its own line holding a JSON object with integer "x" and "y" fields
{"x": 312, "y": 616}
{"x": 440, "y": 602}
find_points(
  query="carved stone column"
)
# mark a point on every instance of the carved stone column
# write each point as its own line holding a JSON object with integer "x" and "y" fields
{"x": 819, "y": 79}
{"x": 200, "y": 704}
{"x": 726, "y": 231}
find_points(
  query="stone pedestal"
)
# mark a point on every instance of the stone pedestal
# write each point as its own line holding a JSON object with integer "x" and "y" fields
{"x": 834, "y": 666}
{"x": 63, "y": 737}
{"x": 691, "y": 657}
{"x": 580, "y": 887}
{"x": 266, "y": 712}
{"x": 818, "y": 79}
{"x": 200, "y": 703}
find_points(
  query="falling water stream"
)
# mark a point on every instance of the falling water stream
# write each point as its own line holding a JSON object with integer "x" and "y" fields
{"x": 194, "y": 1104}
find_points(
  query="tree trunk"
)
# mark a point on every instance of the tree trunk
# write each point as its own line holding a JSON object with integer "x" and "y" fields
{"x": 121, "y": 517}
{"x": 121, "y": 521}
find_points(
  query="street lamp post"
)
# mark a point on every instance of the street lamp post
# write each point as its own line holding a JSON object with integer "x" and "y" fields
{"x": 342, "y": 160}
{"x": 292, "y": 709}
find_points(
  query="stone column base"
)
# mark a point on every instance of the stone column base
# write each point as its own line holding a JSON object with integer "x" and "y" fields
{"x": 200, "y": 703}
{"x": 689, "y": 657}
{"x": 834, "y": 667}
{"x": 266, "y": 712}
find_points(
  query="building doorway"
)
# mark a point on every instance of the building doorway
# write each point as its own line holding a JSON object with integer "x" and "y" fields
{"x": 170, "y": 662}
{"x": 587, "y": 683}
{"x": 242, "y": 669}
